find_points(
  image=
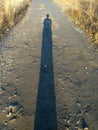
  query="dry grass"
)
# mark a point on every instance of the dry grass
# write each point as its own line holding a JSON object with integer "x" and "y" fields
{"x": 84, "y": 13}
{"x": 10, "y": 12}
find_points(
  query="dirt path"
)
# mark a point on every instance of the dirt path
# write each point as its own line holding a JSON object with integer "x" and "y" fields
{"x": 48, "y": 80}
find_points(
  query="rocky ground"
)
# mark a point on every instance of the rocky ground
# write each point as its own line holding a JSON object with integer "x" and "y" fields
{"x": 42, "y": 83}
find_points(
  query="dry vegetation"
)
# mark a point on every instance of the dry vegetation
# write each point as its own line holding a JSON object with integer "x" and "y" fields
{"x": 84, "y": 13}
{"x": 10, "y": 13}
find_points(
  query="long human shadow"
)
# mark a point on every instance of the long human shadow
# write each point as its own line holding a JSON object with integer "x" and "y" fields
{"x": 45, "y": 116}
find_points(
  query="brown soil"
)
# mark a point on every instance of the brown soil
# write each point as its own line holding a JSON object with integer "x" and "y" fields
{"x": 48, "y": 79}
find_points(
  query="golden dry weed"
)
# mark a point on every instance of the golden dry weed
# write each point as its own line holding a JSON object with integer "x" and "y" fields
{"x": 10, "y": 11}
{"x": 84, "y": 13}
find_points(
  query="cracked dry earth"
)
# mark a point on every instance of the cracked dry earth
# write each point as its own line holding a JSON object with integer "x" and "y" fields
{"x": 49, "y": 84}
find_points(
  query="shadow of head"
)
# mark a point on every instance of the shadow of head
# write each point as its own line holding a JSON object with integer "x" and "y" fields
{"x": 47, "y": 16}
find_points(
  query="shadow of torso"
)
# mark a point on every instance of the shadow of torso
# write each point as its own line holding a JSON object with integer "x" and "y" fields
{"x": 47, "y": 31}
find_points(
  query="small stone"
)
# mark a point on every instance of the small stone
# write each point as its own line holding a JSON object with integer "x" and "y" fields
{"x": 15, "y": 92}
{"x": 6, "y": 123}
{"x": 76, "y": 128}
{"x": 3, "y": 88}
{"x": 45, "y": 68}
{"x": 86, "y": 129}
{"x": 88, "y": 108}
{"x": 9, "y": 114}
{"x": 7, "y": 29}
{"x": 77, "y": 122}
{"x": 13, "y": 119}
{"x": 68, "y": 121}
{"x": 10, "y": 97}
{"x": 1, "y": 91}
{"x": 86, "y": 72}
{"x": 67, "y": 129}
{"x": 2, "y": 63}
{"x": 13, "y": 107}
{"x": 67, "y": 116}
{"x": 86, "y": 67}
{"x": 78, "y": 104}
{"x": 62, "y": 82}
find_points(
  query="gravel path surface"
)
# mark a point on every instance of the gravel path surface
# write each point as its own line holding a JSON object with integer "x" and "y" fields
{"x": 48, "y": 77}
